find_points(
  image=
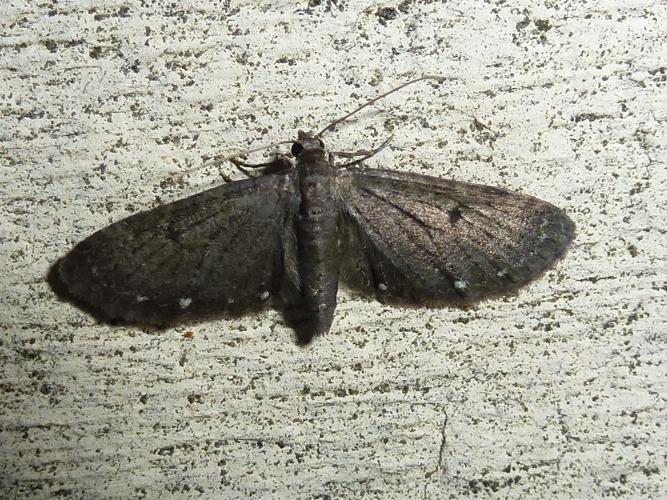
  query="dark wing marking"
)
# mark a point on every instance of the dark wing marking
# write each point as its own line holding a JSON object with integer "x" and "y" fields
{"x": 415, "y": 239}
{"x": 220, "y": 251}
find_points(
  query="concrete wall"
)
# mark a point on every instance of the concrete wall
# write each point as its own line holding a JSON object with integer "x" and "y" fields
{"x": 108, "y": 108}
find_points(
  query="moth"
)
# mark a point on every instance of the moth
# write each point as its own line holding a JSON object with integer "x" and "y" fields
{"x": 289, "y": 236}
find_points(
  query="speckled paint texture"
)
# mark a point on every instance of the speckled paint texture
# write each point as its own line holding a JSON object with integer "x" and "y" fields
{"x": 108, "y": 108}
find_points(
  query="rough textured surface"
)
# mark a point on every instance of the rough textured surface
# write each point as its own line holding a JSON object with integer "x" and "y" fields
{"x": 107, "y": 107}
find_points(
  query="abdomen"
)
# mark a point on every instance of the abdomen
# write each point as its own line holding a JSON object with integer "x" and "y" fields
{"x": 319, "y": 253}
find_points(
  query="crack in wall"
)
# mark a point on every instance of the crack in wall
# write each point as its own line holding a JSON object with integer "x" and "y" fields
{"x": 439, "y": 466}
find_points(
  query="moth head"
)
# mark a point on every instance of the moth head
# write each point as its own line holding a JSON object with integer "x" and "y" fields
{"x": 306, "y": 143}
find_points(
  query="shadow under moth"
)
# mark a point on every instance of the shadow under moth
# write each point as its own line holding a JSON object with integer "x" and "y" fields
{"x": 287, "y": 236}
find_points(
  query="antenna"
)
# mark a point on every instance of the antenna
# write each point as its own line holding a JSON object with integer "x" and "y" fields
{"x": 339, "y": 120}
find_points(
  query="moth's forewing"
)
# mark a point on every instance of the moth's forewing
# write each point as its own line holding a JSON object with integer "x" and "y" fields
{"x": 422, "y": 240}
{"x": 220, "y": 251}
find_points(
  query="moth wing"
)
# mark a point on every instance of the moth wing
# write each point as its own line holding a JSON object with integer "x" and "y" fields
{"x": 415, "y": 239}
{"x": 219, "y": 251}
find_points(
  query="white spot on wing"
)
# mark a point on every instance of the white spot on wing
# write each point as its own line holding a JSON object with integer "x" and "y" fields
{"x": 264, "y": 295}
{"x": 141, "y": 298}
{"x": 382, "y": 287}
{"x": 460, "y": 284}
{"x": 184, "y": 302}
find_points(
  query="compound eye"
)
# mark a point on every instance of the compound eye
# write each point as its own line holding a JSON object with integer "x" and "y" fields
{"x": 297, "y": 149}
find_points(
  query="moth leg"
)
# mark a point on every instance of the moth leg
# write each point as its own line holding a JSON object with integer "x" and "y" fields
{"x": 278, "y": 165}
{"x": 363, "y": 153}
